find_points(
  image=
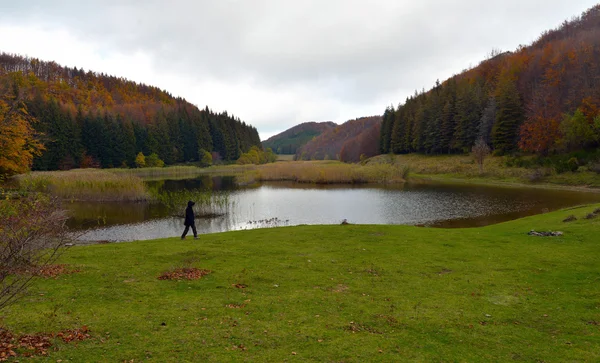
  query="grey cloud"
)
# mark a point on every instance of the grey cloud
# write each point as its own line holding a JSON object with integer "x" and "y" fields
{"x": 357, "y": 51}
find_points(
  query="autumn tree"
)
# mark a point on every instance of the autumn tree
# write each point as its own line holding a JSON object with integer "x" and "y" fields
{"x": 19, "y": 143}
{"x": 578, "y": 132}
{"x": 140, "y": 160}
{"x": 205, "y": 158}
{"x": 153, "y": 161}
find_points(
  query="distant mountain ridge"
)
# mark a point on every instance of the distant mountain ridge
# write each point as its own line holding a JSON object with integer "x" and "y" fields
{"x": 289, "y": 141}
{"x": 347, "y": 142}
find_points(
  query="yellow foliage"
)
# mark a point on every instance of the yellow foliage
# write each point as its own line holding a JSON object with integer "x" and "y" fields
{"x": 18, "y": 142}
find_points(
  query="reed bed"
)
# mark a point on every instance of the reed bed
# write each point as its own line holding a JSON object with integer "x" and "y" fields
{"x": 326, "y": 172}
{"x": 168, "y": 172}
{"x": 459, "y": 165}
{"x": 86, "y": 185}
{"x": 207, "y": 204}
{"x": 183, "y": 172}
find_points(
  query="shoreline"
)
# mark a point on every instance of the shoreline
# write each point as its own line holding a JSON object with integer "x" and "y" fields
{"x": 440, "y": 178}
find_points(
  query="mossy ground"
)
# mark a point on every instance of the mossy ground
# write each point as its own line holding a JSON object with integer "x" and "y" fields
{"x": 350, "y": 293}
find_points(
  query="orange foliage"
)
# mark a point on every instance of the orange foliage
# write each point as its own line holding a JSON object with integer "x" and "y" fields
{"x": 18, "y": 142}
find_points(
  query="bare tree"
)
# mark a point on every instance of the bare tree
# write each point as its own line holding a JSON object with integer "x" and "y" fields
{"x": 480, "y": 151}
{"x": 32, "y": 235}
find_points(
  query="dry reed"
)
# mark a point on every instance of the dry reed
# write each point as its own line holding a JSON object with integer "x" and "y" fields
{"x": 326, "y": 172}
{"x": 86, "y": 184}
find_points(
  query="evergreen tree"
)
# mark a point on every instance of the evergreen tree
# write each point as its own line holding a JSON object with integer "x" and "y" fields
{"x": 509, "y": 117}
{"x": 386, "y": 130}
{"x": 468, "y": 109}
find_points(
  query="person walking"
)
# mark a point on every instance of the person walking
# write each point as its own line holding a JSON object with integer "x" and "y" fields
{"x": 189, "y": 220}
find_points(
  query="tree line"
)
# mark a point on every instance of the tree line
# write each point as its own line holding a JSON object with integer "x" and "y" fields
{"x": 84, "y": 119}
{"x": 540, "y": 99}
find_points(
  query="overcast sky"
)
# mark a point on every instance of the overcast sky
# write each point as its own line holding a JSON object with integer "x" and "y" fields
{"x": 278, "y": 63}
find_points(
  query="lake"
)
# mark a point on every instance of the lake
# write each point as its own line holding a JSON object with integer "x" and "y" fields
{"x": 288, "y": 204}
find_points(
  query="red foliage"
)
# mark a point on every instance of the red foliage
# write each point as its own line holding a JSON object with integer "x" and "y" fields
{"x": 48, "y": 271}
{"x": 539, "y": 135}
{"x": 186, "y": 273}
{"x": 365, "y": 144}
{"x": 329, "y": 144}
{"x": 30, "y": 345}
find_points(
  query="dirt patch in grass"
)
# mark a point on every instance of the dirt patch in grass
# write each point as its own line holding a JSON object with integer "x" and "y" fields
{"x": 185, "y": 273}
{"x": 240, "y": 286}
{"x": 30, "y": 345}
{"x": 357, "y": 327}
{"x": 444, "y": 271}
{"x": 340, "y": 288}
{"x": 235, "y": 306}
{"x": 48, "y": 271}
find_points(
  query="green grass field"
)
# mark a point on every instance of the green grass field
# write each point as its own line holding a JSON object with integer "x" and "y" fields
{"x": 342, "y": 293}
{"x": 464, "y": 167}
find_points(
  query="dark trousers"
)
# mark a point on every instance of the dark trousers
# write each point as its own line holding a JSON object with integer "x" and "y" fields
{"x": 187, "y": 228}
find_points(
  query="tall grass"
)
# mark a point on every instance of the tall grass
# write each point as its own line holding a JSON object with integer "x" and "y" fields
{"x": 168, "y": 172}
{"x": 325, "y": 172}
{"x": 86, "y": 185}
{"x": 183, "y": 172}
{"x": 208, "y": 203}
{"x": 454, "y": 165}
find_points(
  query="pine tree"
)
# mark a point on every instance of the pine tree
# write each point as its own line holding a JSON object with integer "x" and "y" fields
{"x": 509, "y": 117}
{"x": 386, "y": 130}
{"x": 468, "y": 113}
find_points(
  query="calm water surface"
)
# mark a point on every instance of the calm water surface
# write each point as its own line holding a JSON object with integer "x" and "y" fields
{"x": 280, "y": 204}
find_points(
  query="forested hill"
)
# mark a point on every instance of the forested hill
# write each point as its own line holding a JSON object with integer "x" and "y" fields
{"x": 346, "y": 142}
{"x": 291, "y": 139}
{"x": 542, "y": 98}
{"x": 90, "y": 119}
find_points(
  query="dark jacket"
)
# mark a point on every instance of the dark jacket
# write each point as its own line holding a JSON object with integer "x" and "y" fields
{"x": 189, "y": 214}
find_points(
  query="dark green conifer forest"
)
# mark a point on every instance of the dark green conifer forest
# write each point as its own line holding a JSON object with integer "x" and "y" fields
{"x": 85, "y": 119}
{"x": 540, "y": 99}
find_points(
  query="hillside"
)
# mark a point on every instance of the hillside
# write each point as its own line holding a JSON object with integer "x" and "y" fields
{"x": 346, "y": 142}
{"x": 291, "y": 139}
{"x": 87, "y": 119}
{"x": 543, "y": 99}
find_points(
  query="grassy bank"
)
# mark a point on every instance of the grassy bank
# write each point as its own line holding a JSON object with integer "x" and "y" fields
{"x": 495, "y": 170}
{"x": 332, "y": 293}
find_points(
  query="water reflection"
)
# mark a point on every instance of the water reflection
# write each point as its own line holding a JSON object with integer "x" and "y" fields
{"x": 270, "y": 204}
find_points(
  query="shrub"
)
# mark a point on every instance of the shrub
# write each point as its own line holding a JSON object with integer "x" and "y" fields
{"x": 140, "y": 160}
{"x": 153, "y": 161}
{"x": 538, "y": 175}
{"x": 563, "y": 166}
{"x": 205, "y": 158}
{"x": 32, "y": 234}
{"x": 595, "y": 167}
